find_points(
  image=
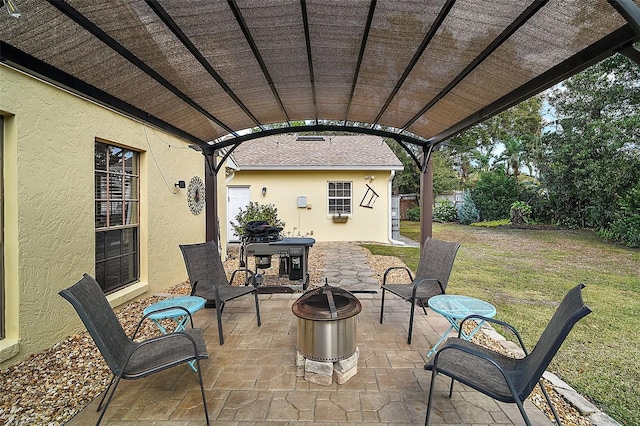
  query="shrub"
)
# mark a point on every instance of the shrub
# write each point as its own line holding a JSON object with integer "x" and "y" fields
{"x": 445, "y": 211}
{"x": 467, "y": 211}
{"x": 256, "y": 211}
{"x": 493, "y": 194}
{"x": 537, "y": 198}
{"x": 491, "y": 224}
{"x": 413, "y": 214}
{"x": 626, "y": 227}
{"x": 520, "y": 213}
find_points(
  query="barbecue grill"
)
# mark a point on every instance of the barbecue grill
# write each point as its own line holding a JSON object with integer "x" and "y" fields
{"x": 262, "y": 241}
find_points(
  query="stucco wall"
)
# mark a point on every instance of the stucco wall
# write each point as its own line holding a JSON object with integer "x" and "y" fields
{"x": 283, "y": 188}
{"x": 49, "y": 207}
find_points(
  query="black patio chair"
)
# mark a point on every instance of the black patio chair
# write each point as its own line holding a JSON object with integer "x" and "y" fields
{"x": 501, "y": 377}
{"x": 126, "y": 358}
{"x": 209, "y": 280}
{"x": 432, "y": 276}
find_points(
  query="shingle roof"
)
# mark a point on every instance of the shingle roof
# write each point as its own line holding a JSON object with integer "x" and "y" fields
{"x": 316, "y": 152}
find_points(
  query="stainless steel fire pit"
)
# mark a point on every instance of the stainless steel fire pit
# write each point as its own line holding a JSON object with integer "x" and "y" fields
{"x": 327, "y": 323}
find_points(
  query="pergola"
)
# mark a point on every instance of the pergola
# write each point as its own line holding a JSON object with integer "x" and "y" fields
{"x": 417, "y": 71}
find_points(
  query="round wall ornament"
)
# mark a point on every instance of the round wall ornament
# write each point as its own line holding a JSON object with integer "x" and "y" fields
{"x": 195, "y": 195}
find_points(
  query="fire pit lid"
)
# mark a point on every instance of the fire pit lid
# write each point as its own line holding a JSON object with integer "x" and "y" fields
{"x": 326, "y": 303}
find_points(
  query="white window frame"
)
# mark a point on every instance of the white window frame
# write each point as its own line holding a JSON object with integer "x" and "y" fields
{"x": 336, "y": 191}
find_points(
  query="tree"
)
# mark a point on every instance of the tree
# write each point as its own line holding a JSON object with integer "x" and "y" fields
{"x": 406, "y": 181}
{"x": 445, "y": 178}
{"x": 516, "y": 131}
{"x": 494, "y": 193}
{"x": 593, "y": 159}
{"x": 467, "y": 211}
{"x": 512, "y": 155}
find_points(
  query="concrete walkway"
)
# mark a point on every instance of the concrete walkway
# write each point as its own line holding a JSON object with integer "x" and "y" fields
{"x": 346, "y": 266}
{"x": 252, "y": 378}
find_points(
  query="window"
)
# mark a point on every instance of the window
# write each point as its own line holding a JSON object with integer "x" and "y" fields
{"x": 339, "y": 198}
{"x": 116, "y": 215}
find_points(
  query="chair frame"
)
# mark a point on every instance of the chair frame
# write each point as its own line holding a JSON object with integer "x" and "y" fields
{"x": 218, "y": 299}
{"x": 119, "y": 371}
{"x": 518, "y": 396}
{"x": 417, "y": 283}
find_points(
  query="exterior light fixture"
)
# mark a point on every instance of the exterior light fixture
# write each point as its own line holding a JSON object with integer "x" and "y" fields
{"x": 180, "y": 184}
{"x": 264, "y": 191}
{"x": 13, "y": 10}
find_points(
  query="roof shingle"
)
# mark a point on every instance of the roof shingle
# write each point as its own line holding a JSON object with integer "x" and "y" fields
{"x": 316, "y": 152}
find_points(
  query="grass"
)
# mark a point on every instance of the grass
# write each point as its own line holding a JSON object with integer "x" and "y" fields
{"x": 526, "y": 273}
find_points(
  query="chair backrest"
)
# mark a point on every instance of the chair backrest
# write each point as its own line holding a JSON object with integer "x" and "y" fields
{"x": 570, "y": 311}
{"x": 101, "y": 322}
{"x": 204, "y": 263}
{"x": 436, "y": 260}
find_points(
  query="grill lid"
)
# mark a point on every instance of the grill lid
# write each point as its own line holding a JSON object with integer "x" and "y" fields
{"x": 326, "y": 303}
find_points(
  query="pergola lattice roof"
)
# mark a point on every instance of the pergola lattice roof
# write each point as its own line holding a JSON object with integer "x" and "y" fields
{"x": 205, "y": 69}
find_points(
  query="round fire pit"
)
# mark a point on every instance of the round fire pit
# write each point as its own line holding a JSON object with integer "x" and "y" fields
{"x": 327, "y": 323}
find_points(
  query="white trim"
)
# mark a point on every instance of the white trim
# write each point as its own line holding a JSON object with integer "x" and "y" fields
{"x": 324, "y": 167}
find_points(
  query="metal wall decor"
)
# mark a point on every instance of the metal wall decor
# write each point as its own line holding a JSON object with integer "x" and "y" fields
{"x": 195, "y": 195}
{"x": 369, "y": 198}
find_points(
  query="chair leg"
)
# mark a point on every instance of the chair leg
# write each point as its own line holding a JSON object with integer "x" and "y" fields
{"x": 424, "y": 308}
{"x": 553, "y": 409}
{"x": 106, "y": 391}
{"x": 522, "y": 412}
{"x": 219, "y": 316}
{"x": 413, "y": 308}
{"x": 204, "y": 398}
{"x": 255, "y": 295}
{"x": 113, "y": 390}
{"x": 431, "y": 389}
{"x": 382, "y": 305}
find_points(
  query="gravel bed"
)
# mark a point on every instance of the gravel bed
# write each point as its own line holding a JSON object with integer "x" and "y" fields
{"x": 50, "y": 387}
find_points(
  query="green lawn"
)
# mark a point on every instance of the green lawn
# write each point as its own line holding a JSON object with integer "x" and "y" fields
{"x": 526, "y": 273}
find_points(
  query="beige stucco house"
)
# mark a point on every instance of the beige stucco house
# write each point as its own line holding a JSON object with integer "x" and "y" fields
{"x": 61, "y": 218}
{"x": 332, "y": 188}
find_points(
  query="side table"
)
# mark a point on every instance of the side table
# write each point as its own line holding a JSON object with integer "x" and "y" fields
{"x": 455, "y": 308}
{"x": 190, "y": 303}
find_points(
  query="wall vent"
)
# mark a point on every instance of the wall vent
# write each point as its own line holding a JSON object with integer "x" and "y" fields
{"x": 310, "y": 138}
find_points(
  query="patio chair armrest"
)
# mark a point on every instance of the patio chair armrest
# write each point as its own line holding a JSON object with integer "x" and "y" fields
{"x": 476, "y": 354}
{"x": 396, "y": 268}
{"x": 421, "y": 281}
{"x": 155, "y": 311}
{"x": 252, "y": 276}
{"x": 215, "y": 288}
{"x": 495, "y": 321}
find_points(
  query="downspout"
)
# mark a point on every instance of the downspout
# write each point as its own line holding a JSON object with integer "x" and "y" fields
{"x": 390, "y": 211}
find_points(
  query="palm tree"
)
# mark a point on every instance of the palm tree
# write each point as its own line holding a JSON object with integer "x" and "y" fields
{"x": 484, "y": 157}
{"x": 512, "y": 155}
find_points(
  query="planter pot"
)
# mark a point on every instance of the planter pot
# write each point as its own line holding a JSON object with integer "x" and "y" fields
{"x": 340, "y": 219}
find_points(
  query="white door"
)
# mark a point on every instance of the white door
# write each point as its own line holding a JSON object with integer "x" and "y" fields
{"x": 238, "y": 198}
